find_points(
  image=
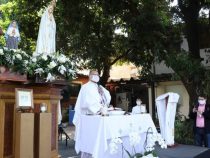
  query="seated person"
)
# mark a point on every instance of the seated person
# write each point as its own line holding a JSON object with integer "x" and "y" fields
{"x": 139, "y": 108}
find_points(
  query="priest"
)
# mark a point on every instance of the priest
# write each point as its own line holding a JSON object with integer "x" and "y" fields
{"x": 91, "y": 100}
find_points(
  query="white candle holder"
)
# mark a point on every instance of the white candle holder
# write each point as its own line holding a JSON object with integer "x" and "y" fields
{"x": 43, "y": 107}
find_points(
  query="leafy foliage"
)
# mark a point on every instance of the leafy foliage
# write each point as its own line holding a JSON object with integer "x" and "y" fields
{"x": 147, "y": 33}
{"x": 188, "y": 67}
{"x": 91, "y": 32}
{"x": 183, "y": 130}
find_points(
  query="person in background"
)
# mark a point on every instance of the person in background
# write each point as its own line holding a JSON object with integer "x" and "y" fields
{"x": 12, "y": 36}
{"x": 139, "y": 108}
{"x": 201, "y": 116}
{"x": 92, "y": 99}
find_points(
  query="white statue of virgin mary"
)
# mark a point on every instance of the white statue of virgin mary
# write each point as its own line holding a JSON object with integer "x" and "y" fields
{"x": 47, "y": 30}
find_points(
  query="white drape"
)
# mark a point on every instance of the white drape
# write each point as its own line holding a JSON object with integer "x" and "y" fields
{"x": 166, "y": 113}
{"x": 46, "y": 37}
{"x": 138, "y": 109}
{"x": 97, "y": 132}
{"x": 59, "y": 112}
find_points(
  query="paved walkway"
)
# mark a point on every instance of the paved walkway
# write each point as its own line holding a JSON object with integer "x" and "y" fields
{"x": 67, "y": 151}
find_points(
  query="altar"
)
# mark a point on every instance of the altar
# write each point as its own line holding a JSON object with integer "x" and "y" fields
{"x": 97, "y": 132}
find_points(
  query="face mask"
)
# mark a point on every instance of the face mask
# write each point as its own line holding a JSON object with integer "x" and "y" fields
{"x": 95, "y": 78}
{"x": 138, "y": 102}
{"x": 202, "y": 102}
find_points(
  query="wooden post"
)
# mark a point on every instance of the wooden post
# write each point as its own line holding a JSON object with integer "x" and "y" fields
{"x": 24, "y": 135}
{"x": 42, "y": 133}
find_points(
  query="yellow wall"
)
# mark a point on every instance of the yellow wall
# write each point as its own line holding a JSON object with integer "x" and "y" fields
{"x": 176, "y": 87}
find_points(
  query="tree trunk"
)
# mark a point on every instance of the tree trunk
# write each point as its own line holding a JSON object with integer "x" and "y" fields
{"x": 192, "y": 92}
{"x": 190, "y": 16}
{"x": 190, "y": 11}
{"x": 106, "y": 74}
{"x": 192, "y": 32}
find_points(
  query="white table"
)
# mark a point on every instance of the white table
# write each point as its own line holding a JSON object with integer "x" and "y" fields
{"x": 97, "y": 131}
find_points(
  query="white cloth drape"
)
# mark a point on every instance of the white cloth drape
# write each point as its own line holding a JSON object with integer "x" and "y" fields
{"x": 59, "y": 112}
{"x": 166, "y": 113}
{"x": 88, "y": 102}
{"x": 97, "y": 132}
{"x": 138, "y": 109}
{"x": 46, "y": 37}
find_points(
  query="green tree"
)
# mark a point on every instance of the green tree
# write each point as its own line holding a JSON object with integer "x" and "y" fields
{"x": 194, "y": 26}
{"x": 87, "y": 29}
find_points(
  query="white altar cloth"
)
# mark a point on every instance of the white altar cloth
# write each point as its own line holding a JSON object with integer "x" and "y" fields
{"x": 97, "y": 131}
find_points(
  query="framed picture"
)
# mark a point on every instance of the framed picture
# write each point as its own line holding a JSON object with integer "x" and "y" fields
{"x": 24, "y": 98}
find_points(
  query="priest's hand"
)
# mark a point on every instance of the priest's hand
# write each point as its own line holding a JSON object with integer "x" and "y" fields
{"x": 104, "y": 110}
{"x": 110, "y": 108}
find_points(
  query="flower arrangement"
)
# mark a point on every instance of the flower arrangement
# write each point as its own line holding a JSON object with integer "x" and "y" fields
{"x": 134, "y": 140}
{"x": 150, "y": 142}
{"x": 52, "y": 66}
{"x": 16, "y": 60}
{"x": 48, "y": 67}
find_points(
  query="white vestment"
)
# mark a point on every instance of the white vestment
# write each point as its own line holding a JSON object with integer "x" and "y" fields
{"x": 138, "y": 109}
{"x": 88, "y": 102}
{"x": 46, "y": 36}
{"x": 166, "y": 113}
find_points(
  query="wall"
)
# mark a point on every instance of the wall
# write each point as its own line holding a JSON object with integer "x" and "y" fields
{"x": 176, "y": 87}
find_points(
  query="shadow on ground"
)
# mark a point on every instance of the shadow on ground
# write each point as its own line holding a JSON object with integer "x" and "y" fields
{"x": 67, "y": 151}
